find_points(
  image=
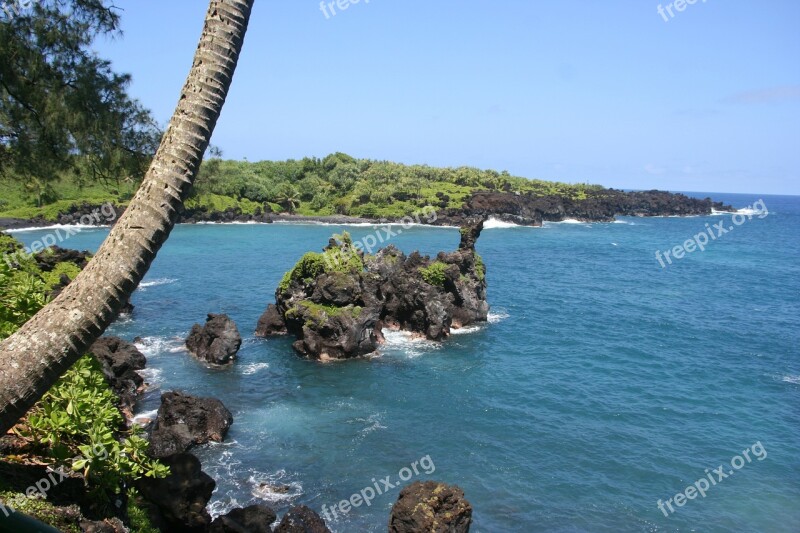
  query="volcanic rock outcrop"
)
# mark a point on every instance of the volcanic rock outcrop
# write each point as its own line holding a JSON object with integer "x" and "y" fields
{"x": 431, "y": 506}
{"x": 216, "y": 342}
{"x": 257, "y": 518}
{"x": 184, "y": 421}
{"x": 120, "y": 360}
{"x": 301, "y": 519}
{"x": 597, "y": 205}
{"x": 337, "y": 302}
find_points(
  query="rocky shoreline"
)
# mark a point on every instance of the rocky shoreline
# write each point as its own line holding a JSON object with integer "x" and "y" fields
{"x": 179, "y": 501}
{"x": 525, "y": 210}
{"x": 336, "y": 303}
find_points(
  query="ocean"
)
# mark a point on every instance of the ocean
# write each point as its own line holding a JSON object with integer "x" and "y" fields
{"x": 602, "y": 384}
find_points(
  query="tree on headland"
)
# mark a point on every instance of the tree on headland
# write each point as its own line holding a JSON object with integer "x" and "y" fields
{"x": 62, "y": 108}
{"x": 288, "y": 197}
{"x": 49, "y": 343}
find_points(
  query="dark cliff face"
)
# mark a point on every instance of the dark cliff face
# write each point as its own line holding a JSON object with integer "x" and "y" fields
{"x": 598, "y": 206}
{"x": 338, "y": 302}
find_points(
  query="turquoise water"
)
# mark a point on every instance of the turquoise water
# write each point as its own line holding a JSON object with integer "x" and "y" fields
{"x": 602, "y": 384}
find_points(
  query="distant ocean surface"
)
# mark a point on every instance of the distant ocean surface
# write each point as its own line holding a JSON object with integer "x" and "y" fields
{"x": 601, "y": 384}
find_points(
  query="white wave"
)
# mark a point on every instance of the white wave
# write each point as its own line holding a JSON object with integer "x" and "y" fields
{"x": 156, "y": 282}
{"x": 151, "y": 376}
{"x": 219, "y": 507}
{"x": 464, "y": 330}
{"x": 123, "y": 318}
{"x": 750, "y": 211}
{"x": 792, "y": 379}
{"x": 496, "y": 223}
{"x": 373, "y": 423}
{"x": 375, "y": 225}
{"x": 69, "y": 228}
{"x": 398, "y": 337}
{"x": 154, "y": 346}
{"x": 565, "y": 221}
{"x": 321, "y": 223}
{"x": 496, "y": 316}
{"x": 274, "y": 488}
{"x": 252, "y": 368}
{"x": 144, "y": 418}
{"x": 413, "y": 345}
{"x": 214, "y": 444}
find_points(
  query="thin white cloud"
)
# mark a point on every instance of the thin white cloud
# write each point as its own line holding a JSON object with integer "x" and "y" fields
{"x": 654, "y": 169}
{"x": 786, "y": 93}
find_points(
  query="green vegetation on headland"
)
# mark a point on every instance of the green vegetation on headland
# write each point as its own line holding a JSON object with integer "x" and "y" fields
{"x": 334, "y": 185}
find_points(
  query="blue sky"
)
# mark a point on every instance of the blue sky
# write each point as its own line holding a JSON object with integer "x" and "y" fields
{"x": 571, "y": 90}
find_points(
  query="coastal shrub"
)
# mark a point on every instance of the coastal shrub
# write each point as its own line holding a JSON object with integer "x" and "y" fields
{"x": 344, "y": 238}
{"x": 319, "y": 313}
{"x": 434, "y": 274}
{"x": 22, "y": 294}
{"x": 8, "y": 244}
{"x": 338, "y": 259}
{"x": 137, "y": 515}
{"x": 76, "y": 424}
{"x": 480, "y": 268}
{"x": 344, "y": 259}
{"x": 311, "y": 265}
{"x": 66, "y": 520}
{"x": 53, "y": 277}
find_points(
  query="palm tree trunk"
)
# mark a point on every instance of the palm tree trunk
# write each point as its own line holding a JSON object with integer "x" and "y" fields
{"x": 36, "y": 355}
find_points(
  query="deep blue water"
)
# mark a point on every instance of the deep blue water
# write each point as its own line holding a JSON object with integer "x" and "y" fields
{"x": 602, "y": 384}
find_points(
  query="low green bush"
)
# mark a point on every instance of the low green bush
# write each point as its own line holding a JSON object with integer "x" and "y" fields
{"x": 77, "y": 423}
{"x": 434, "y": 274}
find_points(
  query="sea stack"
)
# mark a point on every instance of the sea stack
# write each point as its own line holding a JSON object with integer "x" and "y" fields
{"x": 337, "y": 302}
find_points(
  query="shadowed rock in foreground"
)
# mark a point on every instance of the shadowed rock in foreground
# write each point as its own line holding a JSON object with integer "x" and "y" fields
{"x": 432, "y": 507}
{"x": 337, "y": 302}
{"x": 301, "y": 519}
{"x": 180, "y": 499}
{"x": 256, "y": 518}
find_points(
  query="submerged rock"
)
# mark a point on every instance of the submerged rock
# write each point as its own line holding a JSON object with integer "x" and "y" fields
{"x": 182, "y": 496}
{"x": 337, "y": 302}
{"x": 432, "y": 507}
{"x": 216, "y": 342}
{"x": 184, "y": 421}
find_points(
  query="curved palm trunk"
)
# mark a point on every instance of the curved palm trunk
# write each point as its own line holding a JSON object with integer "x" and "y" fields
{"x": 34, "y": 357}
